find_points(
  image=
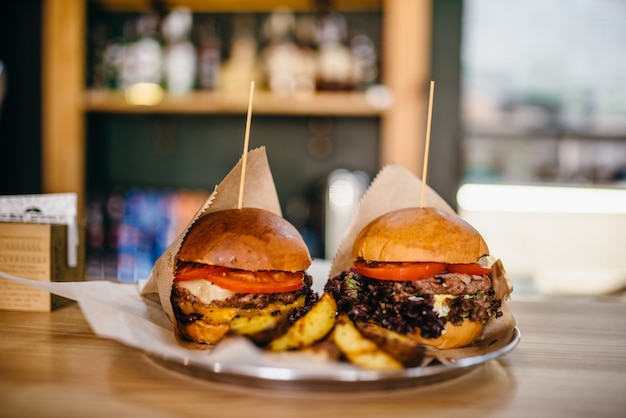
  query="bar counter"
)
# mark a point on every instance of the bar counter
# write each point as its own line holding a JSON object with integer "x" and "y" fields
{"x": 571, "y": 361}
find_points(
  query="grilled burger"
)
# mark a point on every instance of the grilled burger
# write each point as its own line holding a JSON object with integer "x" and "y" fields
{"x": 240, "y": 271}
{"x": 418, "y": 272}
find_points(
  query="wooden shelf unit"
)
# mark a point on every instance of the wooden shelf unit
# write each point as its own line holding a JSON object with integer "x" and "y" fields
{"x": 406, "y": 60}
{"x": 265, "y": 103}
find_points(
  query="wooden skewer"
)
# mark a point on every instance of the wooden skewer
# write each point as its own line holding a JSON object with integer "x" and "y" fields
{"x": 427, "y": 148}
{"x": 245, "y": 147}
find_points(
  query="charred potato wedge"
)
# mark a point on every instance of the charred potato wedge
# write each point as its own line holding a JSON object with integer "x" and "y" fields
{"x": 359, "y": 350}
{"x": 312, "y": 327}
{"x": 408, "y": 351}
{"x": 325, "y": 348}
{"x": 262, "y": 326}
{"x": 261, "y": 329}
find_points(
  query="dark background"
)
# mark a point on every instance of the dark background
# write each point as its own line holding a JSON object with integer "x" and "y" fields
{"x": 20, "y": 115}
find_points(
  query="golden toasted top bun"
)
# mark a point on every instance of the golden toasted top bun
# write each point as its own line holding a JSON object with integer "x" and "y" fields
{"x": 419, "y": 234}
{"x": 247, "y": 239}
{"x": 454, "y": 336}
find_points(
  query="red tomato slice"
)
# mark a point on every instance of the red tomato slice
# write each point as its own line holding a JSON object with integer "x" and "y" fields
{"x": 398, "y": 271}
{"x": 242, "y": 281}
{"x": 472, "y": 269}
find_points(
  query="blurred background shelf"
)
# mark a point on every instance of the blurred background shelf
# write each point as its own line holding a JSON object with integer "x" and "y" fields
{"x": 264, "y": 103}
{"x": 81, "y": 116}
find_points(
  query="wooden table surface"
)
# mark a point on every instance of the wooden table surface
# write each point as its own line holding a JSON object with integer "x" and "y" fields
{"x": 571, "y": 361}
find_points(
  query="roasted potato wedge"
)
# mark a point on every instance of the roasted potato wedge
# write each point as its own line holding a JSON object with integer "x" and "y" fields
{"x": 246, "y": 325}
{"x": 408, "y": 351}
{"x": 326, "y": 349}
{"x": 312, "y": 327}
{"x": 262, "y": 326}
{"x": 210, "y": 314}
{"x": 359, "y": 350}
{"x": 261, "y": 329}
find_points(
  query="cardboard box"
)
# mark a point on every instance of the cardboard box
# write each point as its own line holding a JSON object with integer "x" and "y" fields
{"x": 37, "y": 252}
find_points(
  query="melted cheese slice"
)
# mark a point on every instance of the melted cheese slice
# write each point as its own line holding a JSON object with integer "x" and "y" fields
{"x": 440, "y": 306}
{"x": 205, "y": 291}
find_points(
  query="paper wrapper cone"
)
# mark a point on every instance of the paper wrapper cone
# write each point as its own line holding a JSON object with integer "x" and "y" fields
{"x": 395, "y": 188}
{"x": 259, "y": 192}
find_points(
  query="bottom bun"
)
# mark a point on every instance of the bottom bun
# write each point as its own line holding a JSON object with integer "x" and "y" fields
{"x": 453, "y": 336}
{"x": 199, "y": 332}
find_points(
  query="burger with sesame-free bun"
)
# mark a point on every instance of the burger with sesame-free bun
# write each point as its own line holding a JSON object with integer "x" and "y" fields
{"x": 240, "y": 271}
{"x": 419, "y": 272}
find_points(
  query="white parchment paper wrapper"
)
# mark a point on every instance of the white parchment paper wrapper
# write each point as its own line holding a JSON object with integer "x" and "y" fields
{"x": 394, "y": 187}
{"x": 117, "y": 311}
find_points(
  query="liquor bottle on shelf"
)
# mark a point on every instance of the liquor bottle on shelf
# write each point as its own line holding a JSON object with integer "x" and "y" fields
{"x": 209, "y": 54}
{"x": 365, "y": 61}
{"x": 289, "y": 66}
{"x": 180, "y": 54}
{"x": 335, "y": 62}
{"x": 142, "y": 60}
{"x": 242, "y": 64}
